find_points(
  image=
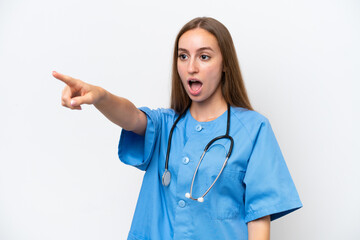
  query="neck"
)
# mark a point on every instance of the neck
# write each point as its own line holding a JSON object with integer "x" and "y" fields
{"x": 209, "y": 110}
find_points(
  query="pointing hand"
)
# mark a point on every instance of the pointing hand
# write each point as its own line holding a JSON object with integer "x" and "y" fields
{"x": 77, "y": 92}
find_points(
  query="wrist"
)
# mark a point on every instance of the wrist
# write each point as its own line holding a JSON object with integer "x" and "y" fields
{"x": 102, "y": 95}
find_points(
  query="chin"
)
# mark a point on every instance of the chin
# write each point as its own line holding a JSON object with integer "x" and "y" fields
{"x": 197, "y": 99}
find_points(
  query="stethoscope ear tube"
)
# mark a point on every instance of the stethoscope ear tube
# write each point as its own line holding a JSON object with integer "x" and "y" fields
{"x": 201, "y": 199}
{"x": 231, "y": 146}
{"x": 218, "y": 138}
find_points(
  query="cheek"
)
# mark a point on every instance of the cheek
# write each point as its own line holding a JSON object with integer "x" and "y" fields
{"x": 181, "y": 71}
{"x": 214, "y": 72}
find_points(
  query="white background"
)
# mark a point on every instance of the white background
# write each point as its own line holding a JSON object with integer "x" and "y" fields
{"x": 60, "y": 177}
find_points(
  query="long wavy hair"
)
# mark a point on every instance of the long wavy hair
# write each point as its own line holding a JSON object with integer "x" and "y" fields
{"x": 232, "y": 84}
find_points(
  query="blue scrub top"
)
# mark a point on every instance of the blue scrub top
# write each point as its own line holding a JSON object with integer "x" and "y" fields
{"x": 255, "y": 182}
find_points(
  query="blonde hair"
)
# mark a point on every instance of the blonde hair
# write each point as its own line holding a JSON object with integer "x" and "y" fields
{"x": 232, "y": 84}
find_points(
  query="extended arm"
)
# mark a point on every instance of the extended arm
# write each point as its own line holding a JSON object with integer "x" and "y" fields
{"x": 259, "y": 229}
{"x": 117, "y": 109}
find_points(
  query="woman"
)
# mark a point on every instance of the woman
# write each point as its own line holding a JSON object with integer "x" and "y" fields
{"x": 230, "y": 190}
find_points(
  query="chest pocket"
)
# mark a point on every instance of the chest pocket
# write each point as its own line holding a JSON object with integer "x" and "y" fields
{"x": 225, "y": 198}
{"x": 226, "y": 201}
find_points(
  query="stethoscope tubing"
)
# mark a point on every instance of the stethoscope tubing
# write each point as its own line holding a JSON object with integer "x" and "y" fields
{"x": 166, "y": 178}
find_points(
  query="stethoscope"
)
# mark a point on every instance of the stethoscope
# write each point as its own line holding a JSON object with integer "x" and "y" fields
{"x": 166, "y": 177}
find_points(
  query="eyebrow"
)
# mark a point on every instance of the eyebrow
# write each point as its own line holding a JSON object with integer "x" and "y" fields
{"x": 199, "y": 50}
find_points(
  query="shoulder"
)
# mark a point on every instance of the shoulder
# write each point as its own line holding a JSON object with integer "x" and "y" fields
{"x": 251, "y": 120}
{"x": 248, "y": 117}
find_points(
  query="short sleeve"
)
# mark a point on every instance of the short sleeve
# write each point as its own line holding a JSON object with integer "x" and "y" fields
{"x": 269, "y": 188}
{"x": 137, "y": 150}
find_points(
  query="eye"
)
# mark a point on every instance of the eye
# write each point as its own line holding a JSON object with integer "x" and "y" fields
{"x": 183, "y": 56}
{"x": 204, "y": 57}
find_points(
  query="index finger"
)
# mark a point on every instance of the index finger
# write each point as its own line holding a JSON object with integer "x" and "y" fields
{"x": 64, "y": 78}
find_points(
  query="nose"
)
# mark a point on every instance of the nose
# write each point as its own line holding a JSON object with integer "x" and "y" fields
{"x": 192, "y": 66}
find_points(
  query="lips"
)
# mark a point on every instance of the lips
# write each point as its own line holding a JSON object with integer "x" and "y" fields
{"x": 195, "y": 86}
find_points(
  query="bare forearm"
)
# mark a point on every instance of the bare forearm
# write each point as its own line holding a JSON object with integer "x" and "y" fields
{"x": 121, "y": 112}
{"x": 259, "y": 229}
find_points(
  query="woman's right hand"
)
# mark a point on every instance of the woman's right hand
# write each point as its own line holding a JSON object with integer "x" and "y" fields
{"x": 77, "y": 92}
{"x": 119, "y": 110}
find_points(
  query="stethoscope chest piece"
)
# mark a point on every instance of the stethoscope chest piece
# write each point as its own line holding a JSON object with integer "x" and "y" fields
{"x": 166, "y": 177}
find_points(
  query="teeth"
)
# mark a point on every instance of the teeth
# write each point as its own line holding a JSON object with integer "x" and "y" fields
{"x": 192, "y": 81}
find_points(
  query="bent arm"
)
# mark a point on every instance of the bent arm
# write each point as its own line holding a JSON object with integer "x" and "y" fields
{"x": 259, "y": 229}
{"x": 122, "y": 112}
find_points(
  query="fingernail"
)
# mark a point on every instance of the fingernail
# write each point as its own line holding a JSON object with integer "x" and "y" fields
{"x": 72, "y": 102}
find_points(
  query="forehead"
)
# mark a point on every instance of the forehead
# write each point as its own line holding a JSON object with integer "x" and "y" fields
{"x": 198, "y": 38}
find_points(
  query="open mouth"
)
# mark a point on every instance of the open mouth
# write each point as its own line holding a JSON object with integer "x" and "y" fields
{"x": 195, "y": 86}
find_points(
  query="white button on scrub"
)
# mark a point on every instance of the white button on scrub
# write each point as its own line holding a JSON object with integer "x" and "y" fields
{"x": 185, "y": 160}
{"x": 198, "y": 128}
{"x": 181, "y": 203}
